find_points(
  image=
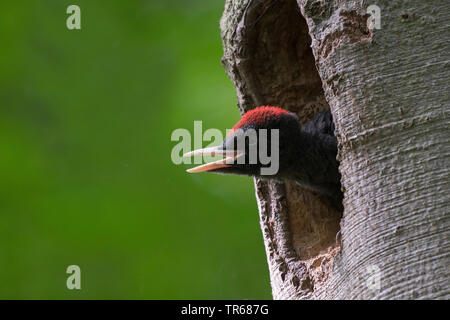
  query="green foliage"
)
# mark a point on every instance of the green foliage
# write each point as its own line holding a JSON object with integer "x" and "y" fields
{"x": 85, "y": 171}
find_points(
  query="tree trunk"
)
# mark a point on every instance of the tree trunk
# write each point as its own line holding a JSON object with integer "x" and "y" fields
{"x": 388, "y": 92}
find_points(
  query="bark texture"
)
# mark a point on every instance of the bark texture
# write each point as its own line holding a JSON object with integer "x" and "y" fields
{"x": 388, "y": 92}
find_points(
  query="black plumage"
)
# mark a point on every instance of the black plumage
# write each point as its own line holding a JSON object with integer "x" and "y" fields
{"x": 314, "y": 164}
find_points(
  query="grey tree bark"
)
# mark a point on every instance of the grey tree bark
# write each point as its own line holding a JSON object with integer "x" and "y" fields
{"x": 388, "y": 92}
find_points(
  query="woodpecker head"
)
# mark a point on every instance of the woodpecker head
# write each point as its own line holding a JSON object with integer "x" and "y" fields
{"x": 263, "y": 136}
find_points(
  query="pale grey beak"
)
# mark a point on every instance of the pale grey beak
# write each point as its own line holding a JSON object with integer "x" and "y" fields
{"x": 230, "y": 157}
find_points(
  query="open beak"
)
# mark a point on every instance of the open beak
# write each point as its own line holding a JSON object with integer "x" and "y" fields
{"x": 230, "y": 157}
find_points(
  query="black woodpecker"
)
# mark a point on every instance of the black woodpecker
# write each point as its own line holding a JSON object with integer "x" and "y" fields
{"x": 307, "y": 153}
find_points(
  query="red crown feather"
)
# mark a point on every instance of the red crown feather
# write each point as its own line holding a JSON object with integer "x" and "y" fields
{"x": 259, "y": 116}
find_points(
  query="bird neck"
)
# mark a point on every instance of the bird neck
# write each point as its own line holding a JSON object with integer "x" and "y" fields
{"x": 315, "y": 166}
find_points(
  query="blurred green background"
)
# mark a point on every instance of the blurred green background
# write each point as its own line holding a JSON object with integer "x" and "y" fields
{"x": 86, "y": 176}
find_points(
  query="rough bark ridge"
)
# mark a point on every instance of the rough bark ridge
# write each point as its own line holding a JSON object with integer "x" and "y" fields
{"x": 387, "y": 90}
